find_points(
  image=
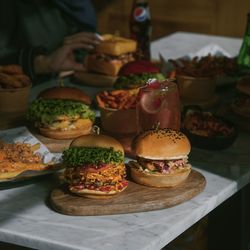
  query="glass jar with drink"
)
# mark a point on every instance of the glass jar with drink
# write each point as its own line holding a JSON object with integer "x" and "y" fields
{"x": 158, "y": 106}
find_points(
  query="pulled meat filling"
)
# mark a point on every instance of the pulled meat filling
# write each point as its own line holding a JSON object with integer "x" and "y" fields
{"x": 124, "y": 58}
{"x": 163, "y": 166}
{"x": 105, "y": 178}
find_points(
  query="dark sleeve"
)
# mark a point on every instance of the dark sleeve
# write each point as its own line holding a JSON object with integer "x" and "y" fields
{"x": 10, "y": 53}
{"x": 8, "y": 49}
{"x": 81, "y": 11}
{"x": 26, "y": 58}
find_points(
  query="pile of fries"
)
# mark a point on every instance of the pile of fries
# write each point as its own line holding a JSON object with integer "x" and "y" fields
{"x": 207, "y": 66}
{"x": 117, "y": 99}
{"x": 12, "y": 76}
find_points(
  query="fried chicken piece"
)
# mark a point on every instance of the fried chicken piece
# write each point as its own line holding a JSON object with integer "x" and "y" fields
{"x": 12, "y": 69}
{"x": 9, "y": 81}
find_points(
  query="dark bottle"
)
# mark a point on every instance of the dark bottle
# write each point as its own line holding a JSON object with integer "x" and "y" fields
{"x": 244, "y": 54}
{"x": 141, "y": 28}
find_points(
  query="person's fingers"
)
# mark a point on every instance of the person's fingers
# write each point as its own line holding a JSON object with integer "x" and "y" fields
{"x": 83, "y": 37}
{"x": 87, "y": 44}
{"x": 78, "y": 67}
{"x": 89, "y": 35}
{"x": 65, "y": 73}
{"x": 68, "y": 48}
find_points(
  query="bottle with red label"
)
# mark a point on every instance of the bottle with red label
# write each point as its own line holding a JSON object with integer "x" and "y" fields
{"x": 141, "y": 28}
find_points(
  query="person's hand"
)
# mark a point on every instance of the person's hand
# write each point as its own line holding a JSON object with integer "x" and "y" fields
{"x": 63, "y": 59}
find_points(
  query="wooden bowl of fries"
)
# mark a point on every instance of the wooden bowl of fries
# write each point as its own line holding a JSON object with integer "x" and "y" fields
{"x": 117, "y": 110}
{"x": 196, "y": 88}
{"x": 117, "y": 121}
{"x": 14, "y": 89}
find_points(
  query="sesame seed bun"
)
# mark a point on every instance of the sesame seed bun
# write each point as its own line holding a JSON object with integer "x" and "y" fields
{"x": 161, "y": 144}
{"x": 94, "y": 140}
{"x": 67, "y": 93}
{"x": 158, "y": 179}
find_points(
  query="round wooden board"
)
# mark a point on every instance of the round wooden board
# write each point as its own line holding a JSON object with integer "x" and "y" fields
{"x": 136, "y": 198}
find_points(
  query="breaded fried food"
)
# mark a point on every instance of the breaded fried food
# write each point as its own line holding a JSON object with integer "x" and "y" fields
{"x": 9, "y": 81}
{"x": 12, "y": 69}
{"x": 18, "y": 157}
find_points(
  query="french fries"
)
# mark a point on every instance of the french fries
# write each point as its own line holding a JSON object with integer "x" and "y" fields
{"x": 117, "y": 99}
{"x": 35, "y": 147}
{"x": 12, "y": 76}
{"x": 207, "y": 66}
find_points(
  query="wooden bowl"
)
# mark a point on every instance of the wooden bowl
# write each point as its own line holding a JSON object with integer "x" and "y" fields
{"x": 14, "y": 100}
{"x": 117, "y": 121}
{"x": 217, "y": 140}
{"x": 196, "y": 88}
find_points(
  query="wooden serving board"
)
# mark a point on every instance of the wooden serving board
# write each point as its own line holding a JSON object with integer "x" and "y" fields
{"x": 136, "y": 198}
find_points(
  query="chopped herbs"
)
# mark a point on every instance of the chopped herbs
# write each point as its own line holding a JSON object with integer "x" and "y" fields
{"x": 77, "y": 156}
{"x": 134, "y": 80}
{"x": 46, "y": 111}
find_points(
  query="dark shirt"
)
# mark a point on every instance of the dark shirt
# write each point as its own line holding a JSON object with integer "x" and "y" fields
{"x": 30, "y": 27}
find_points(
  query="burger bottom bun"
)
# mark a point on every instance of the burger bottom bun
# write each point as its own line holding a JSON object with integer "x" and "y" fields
{"x": 103, "y": 67}
{"x": 66, "y": 134}
{"x": 159, "y": 180}
{"x": 95, "y": 194}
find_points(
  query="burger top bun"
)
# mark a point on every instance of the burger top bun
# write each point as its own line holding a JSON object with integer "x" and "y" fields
{"x": 115, "y": 45}
{"x": 243, "y": 85}
{"x": 138, "y": 67}
{"x": 161, "y": 144}
{"x": 69, "y": 93}
{"x": 94, "y": 140}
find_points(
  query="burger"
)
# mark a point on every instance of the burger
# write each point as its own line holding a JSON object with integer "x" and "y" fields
{"x": 95, "y": 166}
{"x": 62, "y": 113}
{"x": 111, "y": 54}
{"x": 241, "y": 103}
{"x": 162, "y": 158}
{"x": 137, "y": 73}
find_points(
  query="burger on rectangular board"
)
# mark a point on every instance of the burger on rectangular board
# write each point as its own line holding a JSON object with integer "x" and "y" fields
{"x": 95, "y": 166}
{"x": 62, "y": 113}
{"x": 162, "y": 158}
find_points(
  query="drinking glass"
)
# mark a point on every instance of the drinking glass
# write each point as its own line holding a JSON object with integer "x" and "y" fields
{"x": 158, "y": 106}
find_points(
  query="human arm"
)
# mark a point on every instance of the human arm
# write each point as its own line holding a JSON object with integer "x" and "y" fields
{"x": 63, "y": 58}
